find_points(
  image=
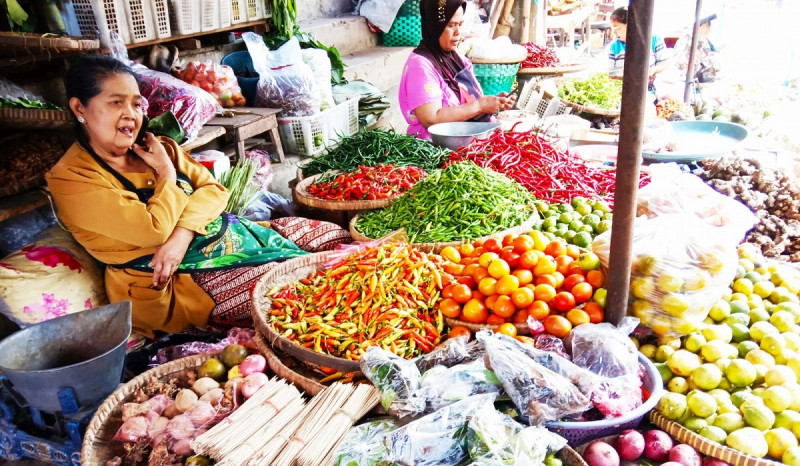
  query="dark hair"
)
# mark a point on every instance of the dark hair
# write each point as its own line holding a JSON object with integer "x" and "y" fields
{"x": 84, "y": 78}
{"x": 620, "y": 15}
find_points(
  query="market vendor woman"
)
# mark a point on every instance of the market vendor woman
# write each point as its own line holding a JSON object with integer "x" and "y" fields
{"x": 152, "y": 214}
{"x": 438, "y": 84}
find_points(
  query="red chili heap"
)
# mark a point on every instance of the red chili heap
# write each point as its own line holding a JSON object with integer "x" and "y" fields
{"x": 539, "y": 57}
{"x": 532, "y": 161}
{"x": 385, "y": 296}
{"x": 367, "y": 183}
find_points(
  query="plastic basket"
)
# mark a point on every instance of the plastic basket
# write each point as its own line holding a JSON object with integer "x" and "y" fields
{"x": 209, "y": 15}
{"x": 224, "y": 13}
{"x": 242, "y": 64}
{"x": 406, "y": 31}
{"x": 161, "y": 21}
{"x": 495, "y": 78}
{"x": 238, "y": 11}
{"x": 185, "y": 16}
{"x": 97, "y": 18}
{"x": 141, "y": 20}
{"x": 409, "y": 8}
{"x": 310, "y": 135}
{"x": 255, "y": 10}
{"x": 578, "y": 433}
{"x": 532, "y": 101}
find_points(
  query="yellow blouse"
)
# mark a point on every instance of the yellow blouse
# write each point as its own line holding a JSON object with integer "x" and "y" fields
{"x": 116, "y": 227}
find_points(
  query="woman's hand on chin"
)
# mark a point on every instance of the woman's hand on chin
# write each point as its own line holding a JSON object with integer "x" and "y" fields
{"x": 156, "y": 157}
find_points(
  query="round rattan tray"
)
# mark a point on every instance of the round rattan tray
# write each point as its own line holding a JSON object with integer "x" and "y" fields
{"x": 553, "y": 69}
{"x": 303, "y": 377}
{"x": 522, "y": 329}
{"x": 97, "y": 444}
{"x": 577, "y": 108}
{"x": 525, "y": 227}
{"x": 706, "y": 446}
{"x": 35, "y": 118}
{"x": 292, "y": 269}
{"x": 302, "y": 196}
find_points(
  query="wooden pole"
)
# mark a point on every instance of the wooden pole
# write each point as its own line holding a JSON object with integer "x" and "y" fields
{"x": 494, "y": 16}
{"x": 634, "y": 93}
{"x": 692, "y": 50}
{"x": 526, "y": 21}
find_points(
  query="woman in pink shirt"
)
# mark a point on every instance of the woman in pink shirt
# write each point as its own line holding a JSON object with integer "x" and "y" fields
{"x": 438, "y": 84}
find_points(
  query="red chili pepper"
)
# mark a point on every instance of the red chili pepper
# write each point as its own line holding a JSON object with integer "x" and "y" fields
{"x": 376, "y": 182}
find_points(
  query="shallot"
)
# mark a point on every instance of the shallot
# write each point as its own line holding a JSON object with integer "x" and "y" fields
{"x": 251, "y": 364}
{"x": 180, "y": 427}
{"x": 202, "y": 413}
{"x": 132, "y": 429}
{"x": 213, "y": 396}
{"x": 252, "y": 383}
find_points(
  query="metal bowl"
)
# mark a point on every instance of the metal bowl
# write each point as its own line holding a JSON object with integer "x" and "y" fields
{"x": 699, "y": 139}
{"x": 459, "y": 134}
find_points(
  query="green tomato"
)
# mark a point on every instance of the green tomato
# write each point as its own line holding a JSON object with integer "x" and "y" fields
{"x": 600, "y": 297}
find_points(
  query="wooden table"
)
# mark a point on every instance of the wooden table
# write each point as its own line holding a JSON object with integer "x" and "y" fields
{"x": 247, "y": 122}
{"x": 204, "y": 136}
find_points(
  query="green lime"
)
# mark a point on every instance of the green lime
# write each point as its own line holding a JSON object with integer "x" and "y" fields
{"x": 740, "y": 332}
{"x": 720, "y": 310}
{"x": 678, "y": 385}
{"x": 729, "y": 422}
{"x": 758, "y": 315}
{"x": 787, "y": 419}
{"x": 549, "y": 222}
{"x": 586, "y": 228}
{"x": 565, "y": 218}
{"x": 233, "y": 355}
{"x": 672, "y": 405}
{"x": 739, "y": 307}
{"x": 740, "y": 396}
{"x": 746, "y": 346}
{"x": 694, "y": 341}
{"x": 601, "y": 206}
{"x": 707, "y": 376}
{"x": 582, "y": 239}
{"x": 213, "y": 368}
{"x": 591, "y": 220}
{"x": 663, "y": 369}
{"x": 583, "y": 209}
{"x": 604, "y": 226}
{"x": 575, "y": 224}
{"x": 741, "y": 373}
{"x": 777, "y": 398}
{"x": 713, "y": 433}
{"x": 695, "y": 423}
{"x": 757, "y": 415}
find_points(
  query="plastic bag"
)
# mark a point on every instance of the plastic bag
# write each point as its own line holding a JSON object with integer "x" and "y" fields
{"x": 494, "y": 438}
{"x": 363, "y": 444}
{"x": 261, "y": 159}
{"x": 320, "y": 66}
{"x": 216, "y": 162}
{"x": 214, "y": 78}
{"x": 381, "y": 13}
{"x": 10, "y": 90}
{"x": 539, "y": 394}
{"x": 681, "y": 267}
{"x": 398, "y": 379}
{"x": 619, "y": 395}
{"x": 604, "y": 349}
{"x": 191, "y": 105}
{"x": 451, "y": 352}
{"x": 284, "y": 80}
{"x": 438, "y": 438}
{"x": 241, "y": 336}
{"x": 268, "y": 203}
{"x": 673, "y": 192}
{"x": 442, "y": 386}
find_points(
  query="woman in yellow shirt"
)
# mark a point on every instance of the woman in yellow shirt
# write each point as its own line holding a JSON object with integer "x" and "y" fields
{"x": 151, "y": 213}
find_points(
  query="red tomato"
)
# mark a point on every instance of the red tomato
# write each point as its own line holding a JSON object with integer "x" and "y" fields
{"x": 596, "y": 278}
{"x": 492, "y": 245}
{"x": 523, "y": 243}
{"x": 462, "y": 293}
{"x": 572, "y": 280}
{"x": 511, "y": 257}
{"x": 564, "y": 301}
{"x": 508, "y": 240}
{"x": 528, "y": 260}
{"x": 582, "y": 292}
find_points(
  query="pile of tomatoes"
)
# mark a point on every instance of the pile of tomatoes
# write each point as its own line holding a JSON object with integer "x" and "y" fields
{"x": 216, "y": 79}
{"x": 503, "y": 282}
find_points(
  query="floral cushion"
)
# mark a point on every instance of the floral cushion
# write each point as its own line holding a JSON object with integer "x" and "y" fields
{"x": 51, "y": 277}
{"x": 311, "y": 235}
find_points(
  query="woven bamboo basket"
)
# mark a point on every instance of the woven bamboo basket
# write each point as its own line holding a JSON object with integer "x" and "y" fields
{"x": 706, "y": 446}
{"x": 577, "y": 108}
{"x": 97, "y": 444}
{"x": 298, "y": 374}
{"x": 302, "y": 196}
{"x": 525, "y": 227}
{"x": 292, "y": 269}
{"x": 34, "y": 118}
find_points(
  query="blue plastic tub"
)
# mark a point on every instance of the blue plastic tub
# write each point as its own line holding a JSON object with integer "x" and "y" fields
{"x": 242, "y": 65}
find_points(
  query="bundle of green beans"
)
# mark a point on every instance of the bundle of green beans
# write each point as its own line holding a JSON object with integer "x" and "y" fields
{"x": 374, "y": 147}
{"x": 460, "y": 202}
{"x": 241, "y": 185}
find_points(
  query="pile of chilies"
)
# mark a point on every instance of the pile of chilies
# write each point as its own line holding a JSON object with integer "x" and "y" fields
{"x": 380, "y": 181}
{"x": 539, "y": 57}
{"x": 550, "y": 174}
{"x": 383, "y": 296}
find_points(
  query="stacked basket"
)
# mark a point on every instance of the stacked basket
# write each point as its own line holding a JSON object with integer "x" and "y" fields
{"x": 406, "y": 30}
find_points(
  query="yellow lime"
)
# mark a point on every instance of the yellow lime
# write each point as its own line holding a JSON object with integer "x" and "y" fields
{"x": 723, "y": 364}
{"x": 759, "y": 330}
{"x": 663, "y": 353}
{"x": 747, "y": 264}
{"x": 696, "y": 281}
{"x": 713, "y": 262}
{"x": 794, "y": 389}
{"x": 759, "y": 356}
{"x": 779, "y": 440}
{"x": 674, "y": 342}
{"x": 701, "y": 403}
{"x": 713, "y": 433}
{"x": 720, "y": 310}
{"x": 717, "y": 349}
{"x": 743, "y": 285}
{"x": 667, "y": 282}
{"x": 745, "y": 347}
{"x": 649, "y": 351}
{"x": 694, "y": 341}
{"x": 721, "y": 332}
{"x": 791, "y": 307}
{"x": 758, "y": 315}
{"x": 761, "y": 372}
{"x": 683, "y": 362}
{"x": 782, "y": 295}
{"x": 787, "y": 419}
{"x": 741, "y": 373}
{"x": 675, "y": 303}
{"x": 792, "y": 339}
{"x": 791, "y": 457}
{"x": 777, "y": 398}
{"x": 729, "y": 422}
{"x": 755, "y": 301}
{"x": 672, "y": 405}
{"x": 678, "y": 385}
{"x": 722, "y": 396}
{"x": 642, "y": 287}
{"x": 707, "y": 376}
{"x": 793, "y": 363}
{"x": 763, "y": 288}
{"x": 784, "y": 321}
{"x": 636, "y": 343}
{"x": 757, "y": 415}
{"x": 773, "y": 344}
{"x": 738, "y": 318}
{"x": 780, "y": 375}
{"x": 792, "y": 284}
{"x": 740, "y": 332}
{"x": 728, "y": 408}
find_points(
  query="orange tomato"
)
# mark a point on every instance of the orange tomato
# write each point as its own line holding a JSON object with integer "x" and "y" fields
{"x": 474, "y": 311}
{"x": 557, "y": 326}
{"x": 572, "y": 280}
{"x": 524, "y": 276}
{"x": 562, "y": 263}
{"x": 573, "y": 251}
{"x": 469, "y": 281}
{"x": 479, "y": 250}
{"x": 478, "y": 295}
{"x": 539, "y": 310}
{"x": 466, "y": 250}
{"x": 495, "y": 320}
{"x": 470, "y": 269}
{"x": 520, "y": 317}
{"x": 504, "y": 307}
{"x": 507, "y": 329}
{"x": 544, "y": 292}
{"x": 559, "y": 279}
{"x": 490, "y": 300}
{"x": 478, "y": 242}
{"x": 507, "y": 284}
{"x": 450, "y": 308}
{"x": 595, "y": 311}
{"x": 564, "y": 301}
{"x": 545, "y": 265}
{"x": 574, "y": 268}
{"x": 596, "y": 278}
{"x": 523, "y": 243}
{"x": 487, "y": 258}
{"x": 508, "y": 240}
{"x": 582, "y": 292}
{"x": 522, "y": 297}
{"x": 577, "y": 317}
{"x": 499, "y": 268}
{"x": 480, "y": 273}
{"x": 462, "y": 293}
{"x": 487, "y": 286}
{"x": 528, "y": 260}
{"x": 455, "y": 269}
{"x": 450, "y": 253}
{"x": 546, "y": 279}
{"x": 556, "y": 248}
{"x": 458, "y": 330}
{"x": 447, "y": 279}
{"x": 447, "y": 292}
{"x": 493, "y": 245}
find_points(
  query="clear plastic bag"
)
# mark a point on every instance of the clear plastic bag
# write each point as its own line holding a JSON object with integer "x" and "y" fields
{"x": 261, "y": 158}
{"x": 494, "y": 438}
{"x": 604, "y": 349}
{"x": 453, "y": 351}
{"x": 10, "y": 90}
{"x": 363, "y": 444}
{"x": 284, "y": 80}
{"x": 442, "y": 386}
{"x": 681, "y": 267}
{"x": 672, "y": 191}
{"x": 438, "y": 438}
{"x": 398, "y": 379}
{"x": 539, "y": 394}
{"x": 320, "y": 66}
{"x": 214, "y": 78}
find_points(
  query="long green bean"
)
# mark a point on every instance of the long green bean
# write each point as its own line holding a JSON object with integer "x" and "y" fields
{"x": 460, "y": 202}
{"x": 374, "y": 147}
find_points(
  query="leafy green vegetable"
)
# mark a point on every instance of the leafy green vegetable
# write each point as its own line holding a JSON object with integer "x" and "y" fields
{"x": 239, "y": 181}
{"x": 24, "y": 102}
{"x": 307, "y": 41}
{"x": 284, "y": 16}
{"x": 598, "y": 91}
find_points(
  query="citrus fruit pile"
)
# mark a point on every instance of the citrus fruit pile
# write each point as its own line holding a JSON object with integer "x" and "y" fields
{"x": 577, "y": 223}
{"x": 504, "y": 281}
{"x": 735, "y": 379}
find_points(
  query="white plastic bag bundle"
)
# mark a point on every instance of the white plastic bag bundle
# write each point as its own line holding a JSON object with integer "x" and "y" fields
{"x": 320, "y": 64}
{"x": 381, "y": 13}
